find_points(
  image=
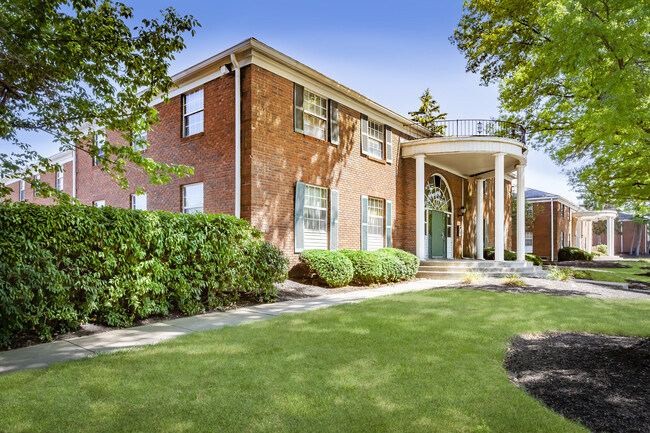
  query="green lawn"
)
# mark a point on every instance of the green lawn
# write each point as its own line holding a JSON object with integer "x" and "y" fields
{"x": 427, "y": 361}
{"x": 634, "y": 272}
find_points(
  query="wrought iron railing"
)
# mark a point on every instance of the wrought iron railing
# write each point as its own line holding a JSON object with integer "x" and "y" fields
{"x": 469, "y": 128}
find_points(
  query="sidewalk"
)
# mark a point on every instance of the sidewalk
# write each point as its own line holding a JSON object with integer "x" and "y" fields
{"x": 42, "y": 355}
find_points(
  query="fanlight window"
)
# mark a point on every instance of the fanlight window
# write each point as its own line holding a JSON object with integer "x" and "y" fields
{"x": 436, "y": 195}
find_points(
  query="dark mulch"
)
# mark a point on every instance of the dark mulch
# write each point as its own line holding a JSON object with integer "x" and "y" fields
{"x": 638, "y": 285}
{"x": 600, "y": 381}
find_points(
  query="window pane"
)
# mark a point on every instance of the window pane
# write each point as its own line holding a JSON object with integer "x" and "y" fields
{"x": 375, "y": 216}
{"x": 193, "y": 198}
{"x": 315, "y": 105}
{"x": 375, "y": 148}
{"x": 315, "y": 212}
{"x": 193, "y": 102}
{"x": 194, "y": 123}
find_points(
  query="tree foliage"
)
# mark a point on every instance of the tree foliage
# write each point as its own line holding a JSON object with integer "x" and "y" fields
{"x": 70, "y": 67}
{"x": 428, "y": 113}
{"x": 576, "y": 73}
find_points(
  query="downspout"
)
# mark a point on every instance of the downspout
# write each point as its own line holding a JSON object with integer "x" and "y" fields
{"x": 74, "y": 173}
{"x": 552, "y": 232}
{"x": 235, "y": 64}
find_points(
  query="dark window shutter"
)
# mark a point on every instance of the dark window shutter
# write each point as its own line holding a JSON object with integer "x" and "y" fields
{"x": 364, "y": 222}
{"x": 298, "y": 218}
{"x": 298, "y": 109}
{"x": 334, "y": 122}
{"x": 388, "y": 139}
{"x": 389, "y": 224}
{"x": 334, "y": 219}
{"x": 364, "y": 134}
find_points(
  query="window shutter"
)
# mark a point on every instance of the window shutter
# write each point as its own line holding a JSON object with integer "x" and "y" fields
{"x": 364, "y": 222}
{"x": 364, "y": 134}
{"x": 298, "y": 218}
{"x": 334, "y": 219}
{"x": 388, "y": 138}
{"x": 334, "y": 122}
{"x": 298, "y": 109}
{"x": 389, "y": 224}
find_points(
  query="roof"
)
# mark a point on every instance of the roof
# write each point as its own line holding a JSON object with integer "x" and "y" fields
{"x": 535, "y": 193}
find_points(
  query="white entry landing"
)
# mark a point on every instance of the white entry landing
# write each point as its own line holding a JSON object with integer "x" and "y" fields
{"x": 455, "y": 269}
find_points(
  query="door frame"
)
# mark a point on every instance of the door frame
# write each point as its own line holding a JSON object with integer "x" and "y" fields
{"x": 448, "y": 228}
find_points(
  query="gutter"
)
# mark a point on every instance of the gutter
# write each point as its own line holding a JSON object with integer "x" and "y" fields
{"x": 233, "y": 58}
{"x": 74, "y": 173}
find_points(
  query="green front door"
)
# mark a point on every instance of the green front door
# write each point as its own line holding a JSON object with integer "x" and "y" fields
{"x": 437, "y": 238}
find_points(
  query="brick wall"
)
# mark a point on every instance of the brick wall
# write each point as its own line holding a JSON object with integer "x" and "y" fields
{"x": 211, "y": 153}
{"x": 49, "y": 178}
{"x": 280, "y": 157}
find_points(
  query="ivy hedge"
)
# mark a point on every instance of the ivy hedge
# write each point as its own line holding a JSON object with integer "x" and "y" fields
{"x": 340, "y": 268}
{"x": 65, "y": 265}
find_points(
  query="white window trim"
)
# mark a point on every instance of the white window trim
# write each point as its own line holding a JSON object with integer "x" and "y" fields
{"x": 185, "y": 208}
{"x": 316, "y": 239}
{"x": 528, "y": 248}
{"x": 21, "y": 193}
{"x": 306, "y": 112}
{"x": 100, "y": 140}
{"x": 382, "y": 206}
{"x": 186, "y": 115}
{"x": 99, "y": 203}
{"x": 37, "y": 178}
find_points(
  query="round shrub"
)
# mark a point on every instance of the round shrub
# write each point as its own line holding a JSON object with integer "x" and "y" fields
{"x": 331, "y": 267}
{"x": 393, "y": 267}
{"x": 368, "y": 268}
{"x": 568, "y": 254}
{"x": 537, "y": 261}
{"x": 411, "y": 261}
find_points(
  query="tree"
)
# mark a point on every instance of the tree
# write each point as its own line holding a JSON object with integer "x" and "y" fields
{"x": 428, "y": 113}
{"x": 576, "y": 73}
{"x": 66, "y": 64}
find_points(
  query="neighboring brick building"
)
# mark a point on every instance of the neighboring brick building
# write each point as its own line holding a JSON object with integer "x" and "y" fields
{"x": 321, "y": 166}
{"x": 628, "y": 234}
{"x": 62, "y": 180}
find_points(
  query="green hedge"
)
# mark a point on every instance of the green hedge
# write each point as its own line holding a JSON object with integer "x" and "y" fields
{"x": 340, "y": 268}
{"x": 488, "y": 254}
{"x": 330, "y": 267}
{"x": 568, "y": 254}
{"x": 64, "y": 265}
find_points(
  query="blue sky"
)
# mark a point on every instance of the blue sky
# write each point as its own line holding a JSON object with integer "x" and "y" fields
{"x": 388, "y": 51}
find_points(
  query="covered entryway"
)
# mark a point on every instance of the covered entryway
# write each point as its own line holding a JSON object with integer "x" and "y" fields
{"x": 473, "y": 150}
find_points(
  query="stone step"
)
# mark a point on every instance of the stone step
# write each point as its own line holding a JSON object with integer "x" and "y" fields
{"x": 464, "y": 264}
{"x": 457, "y": 275}
{"x": 505, "y": 269}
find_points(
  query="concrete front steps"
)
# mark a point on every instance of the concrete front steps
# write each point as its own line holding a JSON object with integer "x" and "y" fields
{"x": 456, "y": 269}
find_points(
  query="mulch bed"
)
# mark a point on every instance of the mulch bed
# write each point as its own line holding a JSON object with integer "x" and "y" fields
{"x": 601, "y": 381}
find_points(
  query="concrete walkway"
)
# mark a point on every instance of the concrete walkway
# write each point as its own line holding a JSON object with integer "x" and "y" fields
{"x": 42, "y": 355}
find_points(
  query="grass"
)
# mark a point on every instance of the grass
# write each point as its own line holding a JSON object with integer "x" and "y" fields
{"x": 513, "y": 280}
{"x": 427, "y": 361}
{"x": 634, "y": 272}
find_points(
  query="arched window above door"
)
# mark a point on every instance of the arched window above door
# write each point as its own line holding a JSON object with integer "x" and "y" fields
{"x": 436, "y": 195}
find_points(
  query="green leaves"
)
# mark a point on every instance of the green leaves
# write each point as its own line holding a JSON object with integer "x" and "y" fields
{"x": 66, "y": 64}
{"x": 64, "y": 265}
{"x": 576, "y": 73}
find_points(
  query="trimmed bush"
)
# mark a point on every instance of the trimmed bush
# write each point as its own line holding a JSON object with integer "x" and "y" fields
{"x": 411, "y": 261}
{"x": 488, "y": 254}
{"x": 367, "y": 266}
{"x": 64, "y": 265}
{"x": 568, "y": 254}
{"x": 537, "y": 261}
{"x": 331, "y": 267}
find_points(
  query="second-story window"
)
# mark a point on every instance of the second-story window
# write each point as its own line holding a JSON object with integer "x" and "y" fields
{"x": 59, "y": 180}
{"x": 193, "y": 113}
{"x": 22, "y": 190}
{"x": 375, "y": 139}
{"x": 37, "y": 178}
{"x": 315, "y": 115}
{"x": 140, "y": 141}
{"x": 99, "y": 142}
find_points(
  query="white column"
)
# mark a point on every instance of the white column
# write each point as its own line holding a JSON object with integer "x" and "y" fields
{"x": 420, "y": 249}
{"x": 479, "y": 219}
{"x": 610, "y": 236}
{"x": 580, "y": 235}
{"x": 499, "y": 242}
{"x": 521, "y": 213}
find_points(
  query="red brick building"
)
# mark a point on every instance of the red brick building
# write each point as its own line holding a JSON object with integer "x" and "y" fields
{"x": 314, "y": 164}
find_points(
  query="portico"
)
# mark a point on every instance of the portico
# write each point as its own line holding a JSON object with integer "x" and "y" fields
{"x": 474, "y": 150}
{"x": 590, "y": 217}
